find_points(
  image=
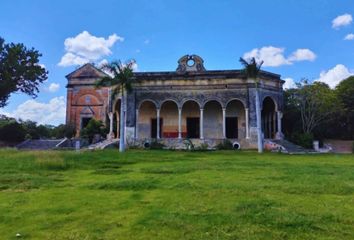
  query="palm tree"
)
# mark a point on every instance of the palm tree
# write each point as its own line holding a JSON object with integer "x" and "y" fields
{"x": 251, "y": 69}
{"x": 120, "y": 81}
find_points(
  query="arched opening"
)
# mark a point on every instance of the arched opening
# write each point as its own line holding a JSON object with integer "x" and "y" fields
{"x": 116, "y": 118}
{"x": 147, "y": 120}
{"x": 169, "y": 119}
{"x": 212, "y": 124}
{"x": 269, "y": 118}
{"x": 191, "y": 119}
{"x": 235, "y": 120}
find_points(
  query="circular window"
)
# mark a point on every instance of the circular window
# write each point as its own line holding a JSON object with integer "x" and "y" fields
{"x": 190, "y": 62}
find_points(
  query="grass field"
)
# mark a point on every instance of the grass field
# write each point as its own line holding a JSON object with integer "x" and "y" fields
{"x": 175, "y": 195}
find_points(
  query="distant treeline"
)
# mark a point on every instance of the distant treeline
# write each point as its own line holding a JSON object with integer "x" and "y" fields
{"x": 15, "y": 131}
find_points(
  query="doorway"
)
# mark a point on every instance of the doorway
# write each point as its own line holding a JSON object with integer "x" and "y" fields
{"x": 231, "y": 127}
{"x": 193, "y": 127}
{"x": 154, "y": 127}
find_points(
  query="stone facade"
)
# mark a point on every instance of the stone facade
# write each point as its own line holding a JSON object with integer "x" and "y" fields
{"x": 191, "y": 102}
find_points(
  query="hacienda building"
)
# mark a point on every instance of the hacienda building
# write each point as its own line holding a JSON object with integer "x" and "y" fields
{"x": 205, "y": 106}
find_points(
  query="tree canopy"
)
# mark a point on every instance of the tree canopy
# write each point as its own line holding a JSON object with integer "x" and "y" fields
{"x": 20, "y": 70}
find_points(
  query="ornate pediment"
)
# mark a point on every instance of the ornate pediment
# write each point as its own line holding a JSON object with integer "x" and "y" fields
{"x": 190, "y": 63}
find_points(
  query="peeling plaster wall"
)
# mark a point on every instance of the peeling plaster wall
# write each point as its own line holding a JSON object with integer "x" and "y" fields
{"x": 235, "y": 109}
{"x": 169, "y": 114}
{"x": 147, "y": 111}
{"x": 213, "y": 120}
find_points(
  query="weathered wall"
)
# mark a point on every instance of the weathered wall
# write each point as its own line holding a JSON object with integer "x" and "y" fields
{"x": 86, "y": 101}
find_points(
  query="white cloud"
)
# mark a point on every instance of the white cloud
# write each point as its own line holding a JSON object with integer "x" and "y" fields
{"x": 53, "y": 87}
{"x": 147, "y": 41}
{"x": 335, "y": 75}
{"x": 85, "y": 48}
{"x": 302, "y": 54}
{"x": 274, "y": 56}
{"x": 349, "y": 37}
{"x": 52, "y": 112}
{"x": 70, "y": 59}
{"x": 102, "y": 62}
{"x": 289, "y": 83}
{"x": 342, "y": 20}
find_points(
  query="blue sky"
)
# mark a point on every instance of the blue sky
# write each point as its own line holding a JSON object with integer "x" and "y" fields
{"x": 297, "y": 39}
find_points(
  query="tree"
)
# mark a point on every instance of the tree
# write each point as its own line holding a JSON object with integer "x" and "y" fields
{"x": 317, "y": 103}
{"x": 19, "y": 70}
{"x": 251, "y": 69}
{"x": 94, "y": 127}
{"x": 119, "y": 82}
{"x": 64, "y": 130}
{"x": 345, "y": 94}
{"x": 11, "y": 131}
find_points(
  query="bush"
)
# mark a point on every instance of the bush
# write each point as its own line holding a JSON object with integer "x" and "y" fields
{"x": 64, "y": 130}
{"x": 353, "y": 147}
{"x": 225, "y": 145}
{"x": 94, "y": 127}
{"x": 156, "y": 145}
{"x": 189, "y": 144}
{"x": 302, "y": 139}
{"x": 12, "y": 131}
{"x": 202, "y": 147}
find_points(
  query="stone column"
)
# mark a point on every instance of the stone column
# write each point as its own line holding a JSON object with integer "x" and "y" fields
{"x": 118, "y": 123}
{"x": 247, "y": 123}
{"x": 179, "y": 123}
{"x": 110, "y": 135}
{"x": 158, "y": 123}
{"x": 274, "y": 127}
{"x": 137, "y": 124}
{"x": 223, "y": 123}
{"x": 201, "y": 123}
{"x": 279, "y": 134}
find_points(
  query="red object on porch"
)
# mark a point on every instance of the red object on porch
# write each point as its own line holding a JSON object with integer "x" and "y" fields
{"x": 173, "y": 134}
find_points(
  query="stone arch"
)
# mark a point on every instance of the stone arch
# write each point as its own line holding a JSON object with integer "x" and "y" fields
{"x": 269, "y": 118}
{"x": 211, "y": 100}
{"x": 272, "y": 98}
{"x": 116, "y": 116}
{"x": 236, "y": 99}
{"x": 192, "y": 100}
{"x": 169, "y": 100}
{"x": 88, "y": 99}
{"x": 147, "y": 100}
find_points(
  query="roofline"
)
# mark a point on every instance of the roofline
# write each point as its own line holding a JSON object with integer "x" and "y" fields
{"x": 68, "y": 75}
{"x": 202, "y": 73}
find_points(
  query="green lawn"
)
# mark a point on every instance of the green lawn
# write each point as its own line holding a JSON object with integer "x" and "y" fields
{"x": 175, "y": 195}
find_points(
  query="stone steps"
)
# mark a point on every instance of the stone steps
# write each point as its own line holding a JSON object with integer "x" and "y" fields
{"x": 39, "y": 144}
{"x": 104, "y": 144}
{"x": 292, "y": 148}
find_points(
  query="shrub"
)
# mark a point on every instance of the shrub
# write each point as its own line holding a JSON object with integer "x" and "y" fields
{"x": 203, "y": 147}
{"x": 303, "y": 139}
{"x": 225, "y": 145}
{"x": 156, "y": 145}
{"x": 189, "y": 144}
{"x": 94, "y": 127}
{"x": 12, "y": 131}
{"x": 64, "y": 130}
{"x": 353, "y": 147}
